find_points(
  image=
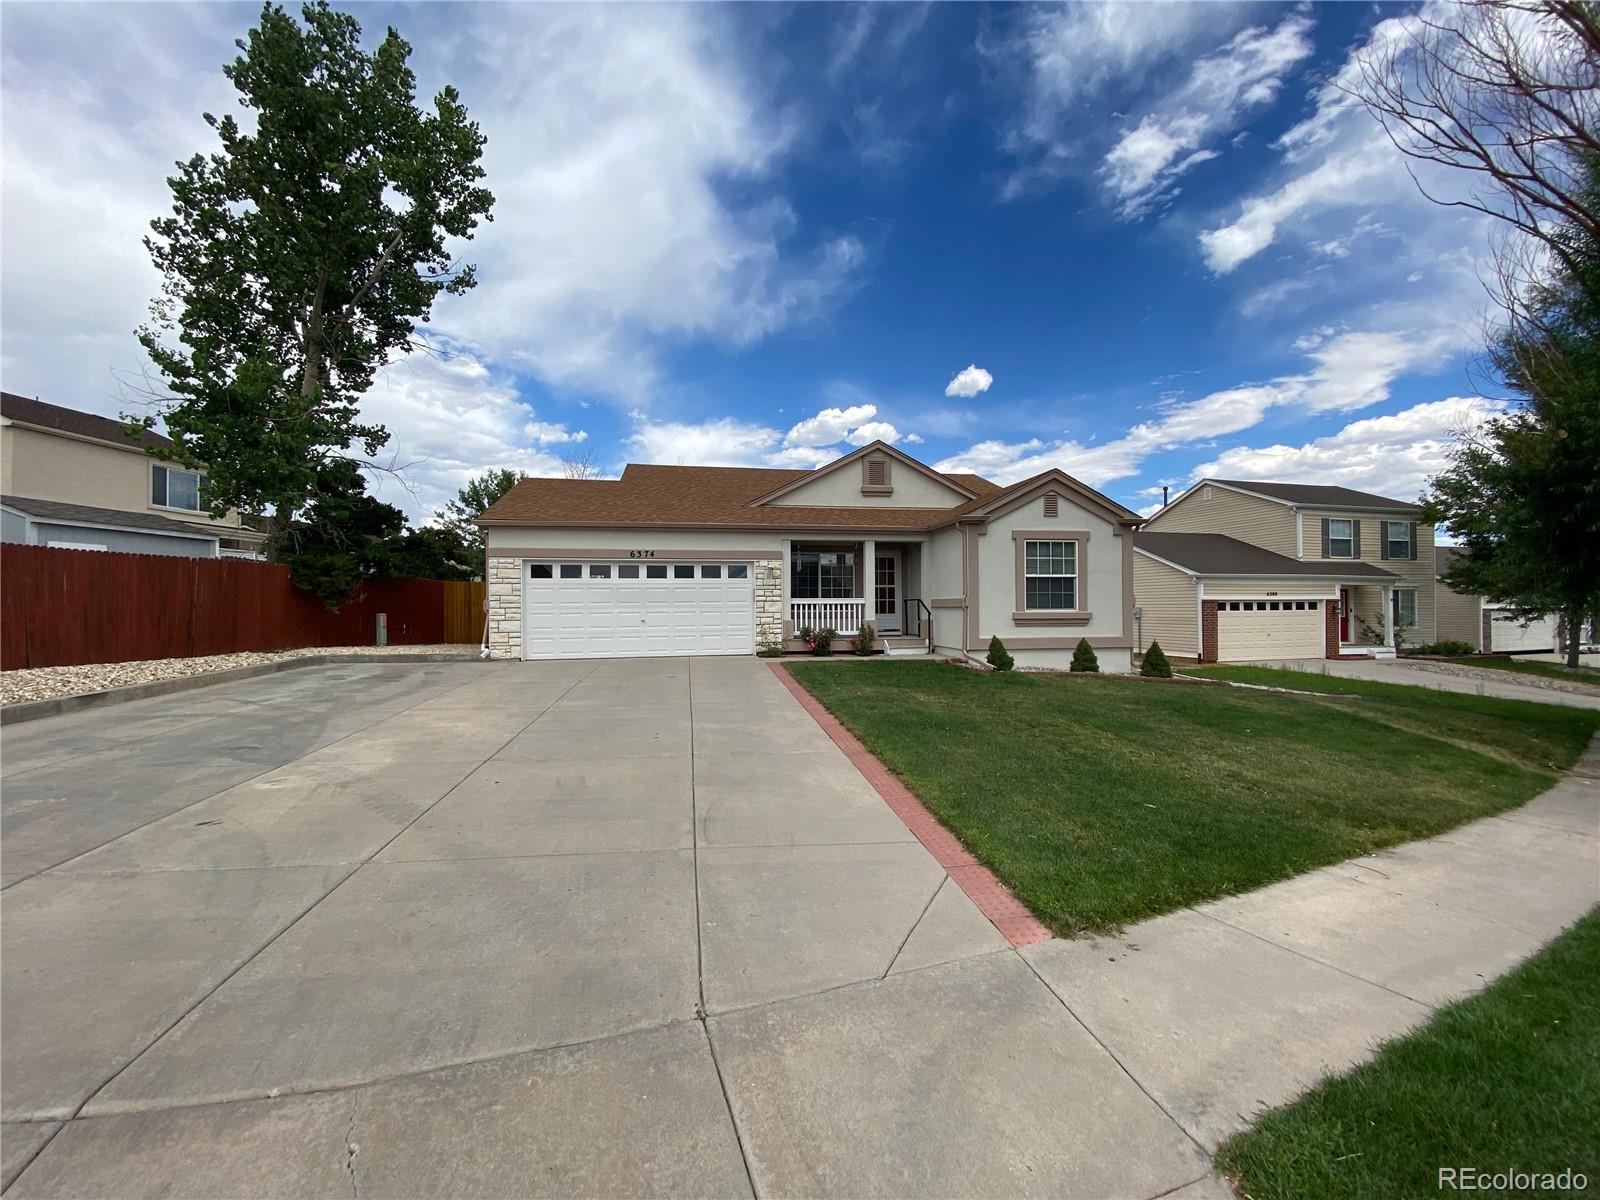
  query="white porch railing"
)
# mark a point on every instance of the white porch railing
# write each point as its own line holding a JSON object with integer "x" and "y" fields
{"x": 841, "y": 616}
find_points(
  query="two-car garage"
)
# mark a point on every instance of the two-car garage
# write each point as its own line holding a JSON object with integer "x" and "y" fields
{"x": 1267, "y": 629}
{"x": 577, "y": 608}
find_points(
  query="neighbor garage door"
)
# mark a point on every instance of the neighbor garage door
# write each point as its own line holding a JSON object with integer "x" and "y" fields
{"x": 623, "y": 609}
{"x": 1251, "y": 629}
{"x": 1507, "y": 633}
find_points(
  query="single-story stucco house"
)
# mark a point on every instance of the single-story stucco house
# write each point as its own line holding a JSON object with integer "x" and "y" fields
{"x": 727, "y": 560}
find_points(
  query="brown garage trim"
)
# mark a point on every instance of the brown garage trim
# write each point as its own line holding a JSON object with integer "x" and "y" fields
{"x": 1109, "y": 641}
{"x": 1041, "y": 617}
{"x": 947, "y": 602}
{"x": 641, "y": 553}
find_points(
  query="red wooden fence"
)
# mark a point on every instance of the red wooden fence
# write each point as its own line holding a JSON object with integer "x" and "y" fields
{"x": 64, "y": 607}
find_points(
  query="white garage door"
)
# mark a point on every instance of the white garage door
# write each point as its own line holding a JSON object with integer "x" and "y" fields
{"x": 1252, "y": 629}
{"x": 627, "y": 609}
{"x": 1507, "y": 633}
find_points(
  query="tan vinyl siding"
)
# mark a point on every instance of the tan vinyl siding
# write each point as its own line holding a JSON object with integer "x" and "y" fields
{"x": 1166, "y": 599}
{"x": 1459, "y": 617}
{"x": 1267, "y": 588}
{"x": 1418, "y": 573}
{"x": 1263, "y": 523}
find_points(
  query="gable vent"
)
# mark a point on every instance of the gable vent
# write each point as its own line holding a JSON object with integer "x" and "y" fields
{"x": 1052, "y": 505}
{"x": 877, "y": 472}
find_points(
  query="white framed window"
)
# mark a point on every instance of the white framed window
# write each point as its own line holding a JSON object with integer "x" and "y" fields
{"x": 655, "y": 571}
{"x": 571, "y": 571}
{"x": 738, "y": 571}
{"x": 540, "y": 571}
{"x": 1397, "y": 539}
{"x": 1341, "y": 537}
{"x": 1050, "y": 576}
{"x": 822, "y": 574}
{"x": 627, "y": 570}
{"x": 173, "y": 487}
{"x": 1405, "y": 607}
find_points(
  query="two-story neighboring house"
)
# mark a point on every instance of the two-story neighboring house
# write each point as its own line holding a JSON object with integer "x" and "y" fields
{"x": 1234, "y": 570}
{"x": 74, "y": 479}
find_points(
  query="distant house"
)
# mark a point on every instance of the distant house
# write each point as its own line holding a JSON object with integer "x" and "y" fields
{"x": 1485, "y": 625}
{"x": 73, "y": 479}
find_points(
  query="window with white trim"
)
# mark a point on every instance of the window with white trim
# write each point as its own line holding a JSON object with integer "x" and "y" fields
{"x": 1050, "y": 576}
{"x": 1341, "y": 537}
{"x": 1405, "y": 607}
{"x": 1397, "y": 538}
{"x": 173, "y": 487}
{"x": 822, "y": 574}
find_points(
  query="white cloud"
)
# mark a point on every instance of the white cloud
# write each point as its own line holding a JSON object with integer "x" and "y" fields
{"x": 1222, "y": 88}
{"x": 969, "y": 382}
{"x": 1392, "y": 455}
{"x": 1349, "y": 371}
{"x": 873, "y": 431}
{"x": 452, "y": 418}
{"x": 829, "y": 426}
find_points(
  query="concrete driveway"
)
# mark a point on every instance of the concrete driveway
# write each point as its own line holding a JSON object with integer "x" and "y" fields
{"x": 580, "y": 928}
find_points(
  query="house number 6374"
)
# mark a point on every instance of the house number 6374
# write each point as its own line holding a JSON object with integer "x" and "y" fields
{"x": 641, "y": 553}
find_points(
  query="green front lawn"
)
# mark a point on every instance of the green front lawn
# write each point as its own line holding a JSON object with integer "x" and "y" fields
{"x": 1522, "y": 666}
{"x": 1102, "y": 801}
{"x": 1507, "y": 1079}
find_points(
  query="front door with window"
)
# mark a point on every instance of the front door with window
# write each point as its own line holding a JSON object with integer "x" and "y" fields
{"x": 886, "y": 591}
{"x": 1344, "y": 616}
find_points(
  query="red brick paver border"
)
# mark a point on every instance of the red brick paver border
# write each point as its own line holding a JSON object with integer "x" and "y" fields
{"x": 994, "y": 900}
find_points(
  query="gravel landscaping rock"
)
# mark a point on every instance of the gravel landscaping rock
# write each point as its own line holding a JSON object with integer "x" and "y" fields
{"x": 50, "y": 683}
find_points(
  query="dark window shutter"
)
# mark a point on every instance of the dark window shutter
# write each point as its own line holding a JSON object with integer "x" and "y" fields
{"x": 1355, "y": 539}
{"x": 1325, "y": 537}
{"x": 1383, "y": 539}
{"x": 1413, "y": 535}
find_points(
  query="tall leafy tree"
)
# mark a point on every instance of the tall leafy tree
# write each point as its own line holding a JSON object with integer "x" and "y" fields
{"x": 301, "y": 253}
{"x": 1523, "y": 494}
{"x": 470, "y": 502}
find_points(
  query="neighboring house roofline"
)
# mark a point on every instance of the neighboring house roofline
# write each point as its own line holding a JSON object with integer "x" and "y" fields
{"x": 60, "y": 421}
{"x": 856, "y": 456}
{"x": 1221, "y": 556}
{"x": 40, "y": 512}
{"x": 1351, "y": 501}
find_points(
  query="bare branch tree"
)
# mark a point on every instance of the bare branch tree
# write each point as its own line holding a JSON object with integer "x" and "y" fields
{"x": 1506, "y": 90}
{"x": 581, "y": 462}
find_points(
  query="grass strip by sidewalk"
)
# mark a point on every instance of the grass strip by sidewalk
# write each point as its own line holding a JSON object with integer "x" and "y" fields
{"x": 1505, "y": 1080}
{"x": 1104, "y": 801}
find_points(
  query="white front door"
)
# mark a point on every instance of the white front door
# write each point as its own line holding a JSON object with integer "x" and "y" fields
{"x": 886, "y": 591}
{"x": 586, "y": 609}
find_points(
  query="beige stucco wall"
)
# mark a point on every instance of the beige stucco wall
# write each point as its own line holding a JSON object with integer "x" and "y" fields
{"x": 842, "y": 489}
{"x": 47, "y": 466}
{"x": 1168, "y": 600}
{"x": 1260, "y": 522}
{"x": 1418, "y": 573}
{"x": 1103, "y": 558}
{"x": 1458, "y": 617}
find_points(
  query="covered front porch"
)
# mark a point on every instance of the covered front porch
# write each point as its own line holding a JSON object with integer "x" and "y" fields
{"x": 844, "y": 585}
{"x": 1370, "y": 618}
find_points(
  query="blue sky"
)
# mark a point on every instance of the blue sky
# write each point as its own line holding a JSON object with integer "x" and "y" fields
{"x": 1161, "y": 236}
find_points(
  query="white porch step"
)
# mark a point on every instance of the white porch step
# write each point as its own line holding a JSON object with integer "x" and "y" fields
{"x": 914, "y": 648}
{"x": 1381, "y": 651}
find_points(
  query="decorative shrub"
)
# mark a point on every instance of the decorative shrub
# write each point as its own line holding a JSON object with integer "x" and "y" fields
{"x": 1083, "y": 658}
{"x": 770, "y": 650}
{"x": 866, "y": 638}
{"x": 1155, "y": 663}
{"x": 818, "y": 641}
{"x": 1445, "y": 648}
{"x": 999, "y": 658}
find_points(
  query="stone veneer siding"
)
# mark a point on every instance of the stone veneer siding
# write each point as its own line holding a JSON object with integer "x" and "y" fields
{"x": 505, "y": 605}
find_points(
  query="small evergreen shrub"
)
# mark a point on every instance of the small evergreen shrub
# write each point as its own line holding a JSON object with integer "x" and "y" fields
{"x": 866, "y": 638}
{"x": 999, "y": 658}
{"x": 1155, "y": 664}
{"x": 1083, "y": 658}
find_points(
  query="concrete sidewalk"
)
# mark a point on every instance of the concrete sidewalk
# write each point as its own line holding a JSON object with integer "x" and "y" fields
{"x": 1224, "y": 1009}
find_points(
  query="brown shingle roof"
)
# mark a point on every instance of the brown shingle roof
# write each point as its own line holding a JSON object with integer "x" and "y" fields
{"x": 1320, "y": 495}
{"x": 648, "y": 494}
{"x": 1218, "y": 554}
{"x": 69, "y": 420}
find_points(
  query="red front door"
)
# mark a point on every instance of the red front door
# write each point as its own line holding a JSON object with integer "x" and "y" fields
{"x": 1344, "y": 615}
